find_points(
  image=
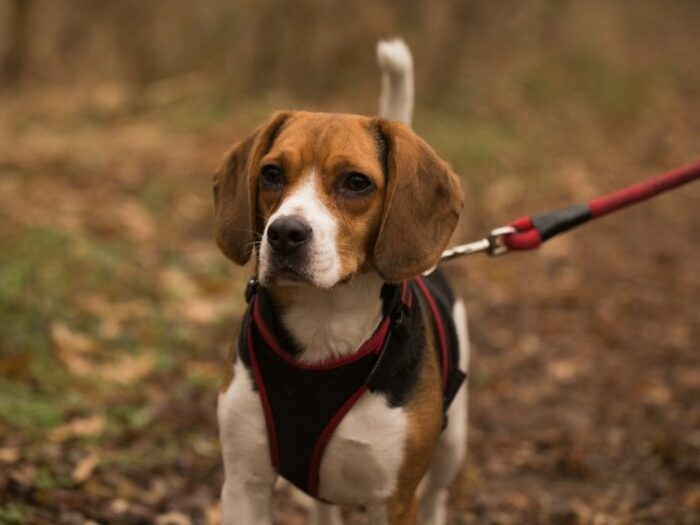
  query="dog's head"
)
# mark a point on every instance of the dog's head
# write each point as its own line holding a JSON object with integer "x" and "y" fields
{"x": 320, "y": 197}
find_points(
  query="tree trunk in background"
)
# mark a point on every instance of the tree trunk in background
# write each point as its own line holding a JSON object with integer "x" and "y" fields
{"x": 15, "y": 59}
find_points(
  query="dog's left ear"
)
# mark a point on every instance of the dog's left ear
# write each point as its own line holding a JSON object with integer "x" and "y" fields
{"x": 421, "y": 207}
{"x": 235, "y": 191}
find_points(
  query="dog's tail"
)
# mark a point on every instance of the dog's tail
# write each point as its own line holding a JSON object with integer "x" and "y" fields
{"x": 396, "y": 64}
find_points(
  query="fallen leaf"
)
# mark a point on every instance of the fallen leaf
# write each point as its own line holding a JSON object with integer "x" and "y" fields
{"x": 564, "y": 369}
{"x": 173, "y": 518}
{"x": 213, "y": 514}
{"x": 76, "y": 364}
{"x": 85, "y": 467}
{"x": 201, "y": 311}
{"x": 128, "y": 369}
{"x": 24, "y": 476}
{"x": 658, "y": 394}
{"x": 118, "y": 311}
{"x": 110, "y": 328}
{"x": 157, "y": 492}
{"x": 119, "y": 506}
{"x": 79, "y": 427}
{"x": 71, "y": 347}
{"x": 68, "y": 340}
{"x": 137, "y": 221}
{"x": 9, "y": 454}
{"x": 177, "y": 283}
{"x": 205, "y": 447}
{"x": 204, "y": 370}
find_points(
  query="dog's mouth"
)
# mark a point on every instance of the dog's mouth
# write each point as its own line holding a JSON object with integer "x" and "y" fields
{"x": 287, "y": 273}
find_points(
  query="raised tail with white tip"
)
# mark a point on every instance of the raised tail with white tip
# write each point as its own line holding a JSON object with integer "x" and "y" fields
{"x": 396, "y": 64}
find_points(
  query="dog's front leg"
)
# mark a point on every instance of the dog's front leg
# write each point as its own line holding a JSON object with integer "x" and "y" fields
{"x": 378, "y": 514}
{"x": 244, "y": 502}
{"x": 393, "y": 512}
{"x": 246, "y": 497}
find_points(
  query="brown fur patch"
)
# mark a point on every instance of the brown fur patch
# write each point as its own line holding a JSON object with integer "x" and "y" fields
{"x": 424, "y": 412}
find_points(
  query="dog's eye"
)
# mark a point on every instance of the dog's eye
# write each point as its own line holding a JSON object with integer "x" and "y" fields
{"x": 272, "y": 176}
{"x": 356, "y": 183}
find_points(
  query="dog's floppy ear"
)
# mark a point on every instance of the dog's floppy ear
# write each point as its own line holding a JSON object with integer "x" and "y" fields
{"x": 235, "y": 194}
{"x": 421, "y": 207}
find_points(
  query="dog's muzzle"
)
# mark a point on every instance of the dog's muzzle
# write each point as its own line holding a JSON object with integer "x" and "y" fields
{"x": 288, "y": 235}
{"x": 289, "y": 238}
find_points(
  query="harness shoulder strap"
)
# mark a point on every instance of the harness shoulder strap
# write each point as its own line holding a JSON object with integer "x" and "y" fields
{"x": 436, "y": 292}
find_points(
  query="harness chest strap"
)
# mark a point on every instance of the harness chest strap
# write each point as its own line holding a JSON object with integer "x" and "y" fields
{"x": 304, "y": 404}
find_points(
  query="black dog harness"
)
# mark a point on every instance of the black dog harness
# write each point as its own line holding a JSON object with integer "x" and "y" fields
{"x": 304, "y": 404}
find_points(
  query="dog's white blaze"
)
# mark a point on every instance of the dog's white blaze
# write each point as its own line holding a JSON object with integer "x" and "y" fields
{"x": 248, "y": 469}
{"x": 363, "y": 457}
{"x": 323, "y": 264}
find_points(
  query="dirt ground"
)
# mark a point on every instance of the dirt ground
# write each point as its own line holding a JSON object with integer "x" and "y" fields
{"x": 117, "y": 307}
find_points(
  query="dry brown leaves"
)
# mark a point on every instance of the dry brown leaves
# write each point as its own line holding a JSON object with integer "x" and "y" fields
{"x": 78, "y": 428}
{"x": 77, "y": 351}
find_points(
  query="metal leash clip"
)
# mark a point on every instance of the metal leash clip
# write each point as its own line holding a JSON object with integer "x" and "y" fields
{"x": 496, "y": 244}
{"x": 493, "y": 245}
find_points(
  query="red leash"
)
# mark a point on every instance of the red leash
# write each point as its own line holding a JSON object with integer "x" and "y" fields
{"x": 527, "y": 233}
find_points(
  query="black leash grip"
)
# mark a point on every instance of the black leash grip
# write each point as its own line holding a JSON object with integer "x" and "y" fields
{"x": 558, "y": 221}
{"x": 531, "y": 232}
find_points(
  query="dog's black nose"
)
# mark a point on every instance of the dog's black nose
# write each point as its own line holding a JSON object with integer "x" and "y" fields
{"x": 289, "y": 233}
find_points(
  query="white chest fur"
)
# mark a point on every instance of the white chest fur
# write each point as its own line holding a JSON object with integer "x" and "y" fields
{"x": 362, "y": 460}
{"x": 334, "y": 323}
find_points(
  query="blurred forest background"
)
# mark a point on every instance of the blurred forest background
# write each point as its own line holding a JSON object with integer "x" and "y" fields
{"x": 117, "y": 308}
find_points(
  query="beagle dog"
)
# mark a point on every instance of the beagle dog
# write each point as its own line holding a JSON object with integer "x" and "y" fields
{"x": 347, "y": 376}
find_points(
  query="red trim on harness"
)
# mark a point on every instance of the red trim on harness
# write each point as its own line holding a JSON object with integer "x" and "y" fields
{"x": 271, "y": 431}
{"x": 406, "y": 295}
{"x": 325, "y": 437}
{"x": 373, "y": 344}
{"x": 441, "y": 327}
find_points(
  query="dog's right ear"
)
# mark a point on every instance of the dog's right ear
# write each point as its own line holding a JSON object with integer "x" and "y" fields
{"x": 421, "y": 208}
{"x": 236, "y": 224}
